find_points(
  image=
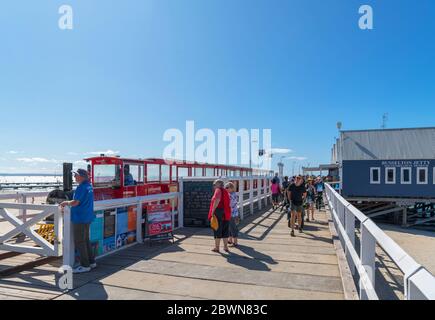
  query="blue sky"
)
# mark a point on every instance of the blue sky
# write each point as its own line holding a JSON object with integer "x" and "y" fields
{"x": 131, "y": 69}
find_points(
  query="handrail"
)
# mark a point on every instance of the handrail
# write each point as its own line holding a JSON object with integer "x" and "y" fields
{"x": 418, "y": 282}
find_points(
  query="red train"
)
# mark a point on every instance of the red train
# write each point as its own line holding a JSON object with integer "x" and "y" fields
{"x": 116, "y": 177}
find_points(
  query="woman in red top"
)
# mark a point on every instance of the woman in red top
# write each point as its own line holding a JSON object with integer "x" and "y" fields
{"x": 220, "y": 207}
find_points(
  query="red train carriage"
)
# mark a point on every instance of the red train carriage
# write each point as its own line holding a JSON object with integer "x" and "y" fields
{"x": 115, "y": 177}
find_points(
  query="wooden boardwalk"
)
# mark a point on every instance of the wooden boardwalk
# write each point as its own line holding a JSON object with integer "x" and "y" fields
{"x": 269, "y": 264}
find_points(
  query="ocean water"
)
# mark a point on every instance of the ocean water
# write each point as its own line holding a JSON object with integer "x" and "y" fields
{"x": 29, "y": 179}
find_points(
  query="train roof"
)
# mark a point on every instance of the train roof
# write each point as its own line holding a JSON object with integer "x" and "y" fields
{"x": 169, "y": 161}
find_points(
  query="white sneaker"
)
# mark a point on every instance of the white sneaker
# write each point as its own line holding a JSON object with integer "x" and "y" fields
{"x": 81, "y": 269}
{"x": 93, "y": 265}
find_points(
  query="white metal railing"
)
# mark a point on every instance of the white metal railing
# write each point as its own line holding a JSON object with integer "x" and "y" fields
{"x": 69, "y": 250}
{"x": 64, "y": 241}
{"x": 21, "y": 226}
{"x": 418, "y": 282}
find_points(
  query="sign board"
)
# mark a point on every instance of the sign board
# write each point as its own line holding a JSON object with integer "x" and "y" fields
{"x": 197, "y": 195}
{"x": 159, "y": 221}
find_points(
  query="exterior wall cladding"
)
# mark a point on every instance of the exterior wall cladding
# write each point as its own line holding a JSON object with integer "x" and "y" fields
{"x": 357, "y": 179}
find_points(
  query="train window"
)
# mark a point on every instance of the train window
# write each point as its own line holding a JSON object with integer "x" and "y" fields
{"x": 405, "y": 175}
{"x": 390, "y": 175}
{"x": 174, "y": 173}
{"x": 153, "y": 172}
{"x": 107, "y": 175}
{"x": 421, "y": 175}
{"x": 209, "y": 172}
{"x": 183, "y": 172}
{"x": 165, "y": 172}
{"x": 133, "y": 174}
{"x": 375, "y": 175}
{"x": 198, "y": 172}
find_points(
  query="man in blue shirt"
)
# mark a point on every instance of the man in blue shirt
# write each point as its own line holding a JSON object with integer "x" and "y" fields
{"x": 82, "y": 214}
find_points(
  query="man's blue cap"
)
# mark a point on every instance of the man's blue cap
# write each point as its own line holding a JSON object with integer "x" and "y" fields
{"x": 82, "y": 173}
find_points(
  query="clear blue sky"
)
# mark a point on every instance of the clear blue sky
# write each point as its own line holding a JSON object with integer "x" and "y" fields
{"x": 131, "y": 69}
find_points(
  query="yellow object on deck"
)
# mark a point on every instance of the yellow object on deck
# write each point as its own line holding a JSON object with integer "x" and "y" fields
{"x": 46, "y": 231}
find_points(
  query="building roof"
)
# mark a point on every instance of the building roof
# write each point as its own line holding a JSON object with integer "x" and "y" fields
{"x": 388, "y": 144}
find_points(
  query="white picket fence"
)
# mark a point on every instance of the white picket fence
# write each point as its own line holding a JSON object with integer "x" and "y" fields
{"x": 418, "y": 282}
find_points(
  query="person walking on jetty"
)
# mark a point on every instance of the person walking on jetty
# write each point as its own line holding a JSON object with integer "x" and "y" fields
{"x": 221, "y": 208}
{"x": 275, "y": 193}
{"x": 82, "y": 215}
{"x": 296, "y": 194}
{"x": 311, "y": 198}
{"x": 285, "y": 203}
{"x": 235, "y": 218}
{"x": 319, "y": 186}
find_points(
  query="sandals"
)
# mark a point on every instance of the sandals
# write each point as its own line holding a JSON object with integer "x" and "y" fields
{"x": 226, "y": 250}
{"x": 215, "y": 250}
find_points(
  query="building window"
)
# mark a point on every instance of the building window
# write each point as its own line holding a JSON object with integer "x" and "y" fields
{"x": 390, "y": 175}
{"x": 405, "y": 176}
{"x": 375, "y": 175}
{"x": 422, "y": 175}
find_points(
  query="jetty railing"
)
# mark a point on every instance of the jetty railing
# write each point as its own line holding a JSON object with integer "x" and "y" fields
{"x": 23, "y": 197}
{"x": 69, "y": 250}
{"x": 419, "y": 284}
{"x": 9, "y": 241}
{"x": 63, "y": 235}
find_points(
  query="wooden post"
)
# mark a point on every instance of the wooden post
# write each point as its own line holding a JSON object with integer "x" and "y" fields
{"x": 68, "y": 243}
{"x": 58, "y": 232}
{"x": 405, "y": 217}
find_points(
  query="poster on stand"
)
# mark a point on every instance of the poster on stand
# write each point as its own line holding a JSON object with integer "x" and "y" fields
{"x": 159, "y": 219}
